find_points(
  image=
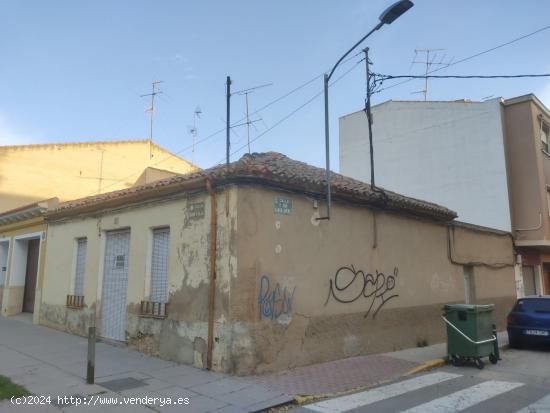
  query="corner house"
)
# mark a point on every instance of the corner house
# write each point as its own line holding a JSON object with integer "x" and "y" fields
{"x": 230, "y": 269}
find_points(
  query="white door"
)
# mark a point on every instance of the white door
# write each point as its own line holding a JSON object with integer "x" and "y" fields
{"x": 115, "y": 285}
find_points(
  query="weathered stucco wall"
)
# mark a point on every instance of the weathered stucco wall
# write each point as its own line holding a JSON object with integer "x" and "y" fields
{"x": 321, "y": 290}
{"x": 182, "y": 336}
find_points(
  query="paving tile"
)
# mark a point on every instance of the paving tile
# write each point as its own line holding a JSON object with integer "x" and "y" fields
{"x": 219, "y": 387}
{"x": 7, "y": 407}
{"x": 124, "y": 383}
{"x": 232, "y": 409}
{"x": 176, "y": 392}
{"x": 266, "y": 404}
{"x": 200, "y": 404}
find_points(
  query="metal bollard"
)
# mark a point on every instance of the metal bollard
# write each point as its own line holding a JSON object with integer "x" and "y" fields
{"x": 90, "y": 372}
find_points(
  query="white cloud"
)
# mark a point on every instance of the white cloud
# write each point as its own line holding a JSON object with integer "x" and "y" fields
{"x": 11, "y": 135}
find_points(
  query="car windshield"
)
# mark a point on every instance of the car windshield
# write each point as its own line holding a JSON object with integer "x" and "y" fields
{"x": 533, "y": 305}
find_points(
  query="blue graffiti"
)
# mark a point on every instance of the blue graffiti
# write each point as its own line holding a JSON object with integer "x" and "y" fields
{"x": 275, "y": 302}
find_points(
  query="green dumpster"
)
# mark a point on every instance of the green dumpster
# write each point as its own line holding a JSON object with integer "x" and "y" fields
{"x": 470, "y": 334}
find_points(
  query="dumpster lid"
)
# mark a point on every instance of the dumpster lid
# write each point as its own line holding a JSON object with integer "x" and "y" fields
{"x": 468, "y": 307}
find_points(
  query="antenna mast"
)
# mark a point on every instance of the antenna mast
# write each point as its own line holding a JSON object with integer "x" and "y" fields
{"x": 249, "y": 122}
{"x": 194, "y": 130}
{"x": 151, "y": 110}
{"x": 431, "y": 55}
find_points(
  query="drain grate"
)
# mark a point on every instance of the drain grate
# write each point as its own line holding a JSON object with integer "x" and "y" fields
{"x": 125, "y": 383}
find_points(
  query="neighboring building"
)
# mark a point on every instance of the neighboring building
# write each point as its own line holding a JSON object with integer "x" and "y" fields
{"x": 69, "y": 170}
{"x": 487, "y": 160}
{"x": 22, "y": 254}
{"x": 229, "y": 269}
{"x": 31, "y": 173}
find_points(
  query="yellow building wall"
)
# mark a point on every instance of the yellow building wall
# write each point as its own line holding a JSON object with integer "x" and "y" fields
{"x": 30, "y": 173}
{"x": 183, "y": 334}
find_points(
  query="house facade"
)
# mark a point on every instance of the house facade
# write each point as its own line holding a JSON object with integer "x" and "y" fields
{"x": 230, "y": 269}
{"x": 487, "y": 160}
{"x": 32, "y": 173}
{"x": 69, "y": 171}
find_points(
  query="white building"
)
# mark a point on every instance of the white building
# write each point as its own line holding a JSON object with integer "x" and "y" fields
{"x": 448, "y": 152}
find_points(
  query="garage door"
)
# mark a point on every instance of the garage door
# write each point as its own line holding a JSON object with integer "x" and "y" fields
{"x": 115, "y": 285}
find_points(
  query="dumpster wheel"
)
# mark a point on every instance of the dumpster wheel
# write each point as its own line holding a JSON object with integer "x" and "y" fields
{"x": 479, "y": 363}
{"x": 493, "y": 359}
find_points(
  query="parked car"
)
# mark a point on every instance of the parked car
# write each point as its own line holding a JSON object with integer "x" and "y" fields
{"x": 529, "y": 321}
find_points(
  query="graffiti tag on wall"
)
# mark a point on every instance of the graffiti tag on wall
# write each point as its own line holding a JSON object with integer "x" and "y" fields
{"x": 349, "y": 285}
{"x": 275, "y": 301}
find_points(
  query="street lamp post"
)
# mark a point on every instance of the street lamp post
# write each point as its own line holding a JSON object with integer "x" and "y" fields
{"x": 387, "y": 17}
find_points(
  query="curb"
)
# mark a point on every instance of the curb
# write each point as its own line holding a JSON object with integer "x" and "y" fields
{"x": 301, "y": 399}
{"x": 428, "y": 365}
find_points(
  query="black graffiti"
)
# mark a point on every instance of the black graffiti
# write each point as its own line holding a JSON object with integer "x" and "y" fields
{"x": 274, "y": 302}
{"x": 376, "y": 288}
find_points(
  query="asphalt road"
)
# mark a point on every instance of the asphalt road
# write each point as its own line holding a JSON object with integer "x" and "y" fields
{"x": 520, "y": 382}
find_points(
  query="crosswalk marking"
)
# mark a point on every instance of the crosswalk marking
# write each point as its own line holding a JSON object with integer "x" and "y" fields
{"x": 540, "y": 406}
{"x": 460, "y": 400}
{"x": 352, "y": 401}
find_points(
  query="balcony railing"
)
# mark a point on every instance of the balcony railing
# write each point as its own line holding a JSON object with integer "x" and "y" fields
{"x": 75, "y": 301}
{"x": 154, "y": 309}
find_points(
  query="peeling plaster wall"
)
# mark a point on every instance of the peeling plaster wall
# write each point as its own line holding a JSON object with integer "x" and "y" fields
{"x": 283, "y": 312}
{"x": 182, "y": 336}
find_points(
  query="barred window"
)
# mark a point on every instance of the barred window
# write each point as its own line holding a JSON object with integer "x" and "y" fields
{"x": 81, "y": 245}
{"x": 159, "y": 265}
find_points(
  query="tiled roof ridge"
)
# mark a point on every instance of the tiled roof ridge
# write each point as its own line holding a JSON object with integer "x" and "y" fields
{"x": 277, "y": 169}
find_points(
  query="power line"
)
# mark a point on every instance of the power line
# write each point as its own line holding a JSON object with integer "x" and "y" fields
{"x": 217, "y": 132}
{"x": 294, "y": 111}
{"x": 517, "y": 39}
{"x": 388, "y": 77}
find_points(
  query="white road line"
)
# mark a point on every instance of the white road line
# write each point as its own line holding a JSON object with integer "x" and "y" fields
{"x": 344, "y": 403}
{"x": 540, "y": 406}
{"x": 456, "y": 402}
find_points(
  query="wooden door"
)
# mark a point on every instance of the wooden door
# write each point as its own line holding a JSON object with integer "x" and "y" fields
{"x": 30, "y": 275}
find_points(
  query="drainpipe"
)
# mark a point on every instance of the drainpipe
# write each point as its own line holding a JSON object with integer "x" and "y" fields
{"x": 213, "y": 253}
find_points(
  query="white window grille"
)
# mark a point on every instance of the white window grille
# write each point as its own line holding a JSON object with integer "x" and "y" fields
{"x": 81, "y": 246}
{"x": 159, "y": 265}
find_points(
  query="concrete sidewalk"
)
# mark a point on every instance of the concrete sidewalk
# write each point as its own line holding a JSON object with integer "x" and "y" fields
{"x": 50, "y": 362}
{"x": 355, "y": 372}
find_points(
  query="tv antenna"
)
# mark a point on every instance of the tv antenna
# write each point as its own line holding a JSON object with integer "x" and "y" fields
{"x": 431, "y": 59}
{"x": 151, "y": 109}
{"x": 248, "y": 121}
{"x": 193, "y": 130}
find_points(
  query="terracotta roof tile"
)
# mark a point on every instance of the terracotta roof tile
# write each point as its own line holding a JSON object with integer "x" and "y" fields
{"x": 279, "y": 170}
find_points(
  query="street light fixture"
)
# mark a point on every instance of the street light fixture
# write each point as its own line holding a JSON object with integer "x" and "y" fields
{"x": 387, "y": 17}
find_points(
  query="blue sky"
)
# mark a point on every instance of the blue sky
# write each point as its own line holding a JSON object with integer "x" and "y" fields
{"x": 74, "y": 70}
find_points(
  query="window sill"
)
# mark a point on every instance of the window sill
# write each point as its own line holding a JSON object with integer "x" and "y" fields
{"x": 158, "y": 317}
{"x": 153, "y": 309}
{"x": 544, "y": 152}
{"x": 75, "y": 301}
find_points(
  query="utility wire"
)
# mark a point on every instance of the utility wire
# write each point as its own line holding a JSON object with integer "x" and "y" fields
{"x": 293, "y": 112}
{"x": 517, "y": 39}
{"x": 217, "y": 132}
{"x": 382, "y": 77}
